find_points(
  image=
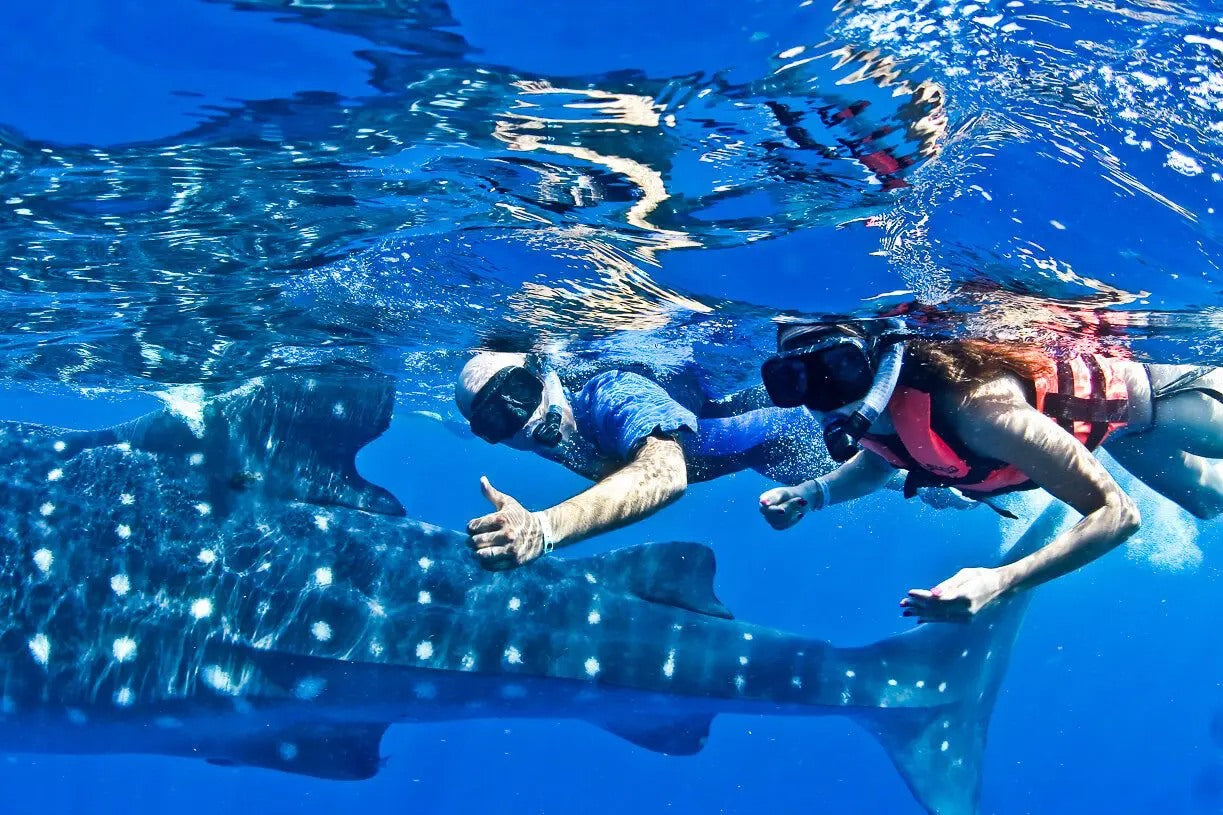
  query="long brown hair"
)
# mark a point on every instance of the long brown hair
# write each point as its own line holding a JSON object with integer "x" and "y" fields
{"x": 972, "y": 362}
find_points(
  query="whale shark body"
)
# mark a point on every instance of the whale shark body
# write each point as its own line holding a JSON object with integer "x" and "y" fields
{"x": 221, "y": 583}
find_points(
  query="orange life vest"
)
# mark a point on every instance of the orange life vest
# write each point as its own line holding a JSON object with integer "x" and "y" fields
{"x": 1086, "y": 395}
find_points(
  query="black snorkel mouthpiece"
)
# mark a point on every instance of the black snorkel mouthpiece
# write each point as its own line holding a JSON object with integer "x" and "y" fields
{"x": 842, "y": 434}
{"x": 548, "y": 431}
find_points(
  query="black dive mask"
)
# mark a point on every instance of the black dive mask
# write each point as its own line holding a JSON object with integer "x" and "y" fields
{"x": 506, "y": 402}
{"x": 826, "y": 375}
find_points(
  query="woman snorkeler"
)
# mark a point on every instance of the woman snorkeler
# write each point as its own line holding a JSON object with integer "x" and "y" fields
{"x": 988, "y": 418}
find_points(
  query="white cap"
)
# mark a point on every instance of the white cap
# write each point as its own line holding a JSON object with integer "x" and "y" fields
{"x": 476, "y": 373}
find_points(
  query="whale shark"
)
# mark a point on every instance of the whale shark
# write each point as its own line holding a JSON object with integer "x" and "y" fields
{"x": 218, "y": 581}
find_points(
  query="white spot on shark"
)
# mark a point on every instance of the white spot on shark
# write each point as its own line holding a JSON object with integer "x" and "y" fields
{"x": 742, "y": 660}
{"x": 321, "y": 522}
{"x": 309, "y": 687}
{"x": 592, "y": 667}
{"x": 124, "y": 697}
{"x": 55, "y": 475}
{"x": 668, "y": 667}
{"x": 514, "y": 604}
{"x": 59, "y": 446}
{"x": 921, "y": 683}
{"x": 322, "y": 576}
{"x": 590, "y": 578}
{"x": 203, "y": 508}
{"x": 195, "y": 459}
{"x": 942, "y": 687}
{"x": 740, "y": 682}
{"x": 338, "y": 410}
{"x": 201, "y": 608}
{"x": 321, "y": 631}
{"x": 513, "y": 656}
{"x": 207, "y": 556}
{"x": 850, "y": 674}
{"x": 424, "y": 564}
{"x": 892, "y": 683}
{"x": 43, "y": 560}
{"x": 424, "y": 650}
{"x": 424, "y": 598}
{"x": 376, "y": 609}
{"x": 468, "y": 662}
{"x": 46, "y": 509}
{"x": 127, "y": 499}
{"x": 964, "y": 653}
{"x": 40, "y": 647}
{"x": 943, "y": 747}
{"x": 123, "y": 531}
{"x": 594, "y": 617}
{"x": 123, "y": 649}
{"x": 120, "y": 585}
{"x": 797, "y": 681}
{"x": 123, "y": 447}
{"x": 287, "y": 750}
{"x": 748, "y": 637}
{"x": 375, "y": 648}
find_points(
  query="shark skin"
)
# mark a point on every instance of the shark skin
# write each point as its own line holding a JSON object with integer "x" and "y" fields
{"x": 219, "y": 582}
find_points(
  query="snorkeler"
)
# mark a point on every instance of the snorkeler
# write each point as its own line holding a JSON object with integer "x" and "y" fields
{"x": 622, "y": 430}
{"x": 990, "y": 418}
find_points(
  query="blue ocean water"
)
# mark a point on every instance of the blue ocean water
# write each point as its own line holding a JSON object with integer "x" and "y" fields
{"x": 198, "y": 192}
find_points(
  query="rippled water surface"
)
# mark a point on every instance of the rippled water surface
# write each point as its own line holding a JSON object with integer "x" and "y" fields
{"x": 193, "y": 192}
{"x": 395, "y": 182}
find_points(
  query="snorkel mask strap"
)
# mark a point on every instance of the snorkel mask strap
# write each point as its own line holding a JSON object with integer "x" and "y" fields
{"x": 842, "y": 434}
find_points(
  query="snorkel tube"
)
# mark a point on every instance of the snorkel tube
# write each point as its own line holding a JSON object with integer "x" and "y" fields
{"x": 842, "y": 433}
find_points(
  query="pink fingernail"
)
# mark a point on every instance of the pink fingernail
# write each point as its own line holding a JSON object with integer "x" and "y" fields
{"x": 937, "y": 592}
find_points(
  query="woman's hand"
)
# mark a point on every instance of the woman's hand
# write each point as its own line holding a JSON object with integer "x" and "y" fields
{"x": 783, "y": 507}
{"x": 956, "y": 600}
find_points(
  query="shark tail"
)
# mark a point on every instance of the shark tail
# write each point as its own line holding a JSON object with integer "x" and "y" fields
{"x": 938, "y": 746}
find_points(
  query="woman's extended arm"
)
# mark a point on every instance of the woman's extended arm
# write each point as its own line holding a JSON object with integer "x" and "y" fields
{"x": 1010, "y": 430}
{"x": 863, "y": 474}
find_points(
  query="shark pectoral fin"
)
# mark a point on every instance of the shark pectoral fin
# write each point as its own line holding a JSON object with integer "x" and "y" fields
{"x": 670, "y": 574}
{"x": 281, "y": 436}
{"x": 340, "y": 752}
{"x": 676, "y": 736}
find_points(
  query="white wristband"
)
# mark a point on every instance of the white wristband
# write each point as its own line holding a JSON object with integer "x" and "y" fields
{"x": 821, "y": 486}
{"x": 545, "y": 526}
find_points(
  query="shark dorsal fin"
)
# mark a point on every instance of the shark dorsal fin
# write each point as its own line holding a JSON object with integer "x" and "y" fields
{"x": 341, "y": 752}
{"x": 287, "y": 437}
{"x": 671, "y": 574}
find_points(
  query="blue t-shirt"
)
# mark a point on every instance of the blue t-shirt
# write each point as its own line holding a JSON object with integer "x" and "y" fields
{"x": 616, "y": 411}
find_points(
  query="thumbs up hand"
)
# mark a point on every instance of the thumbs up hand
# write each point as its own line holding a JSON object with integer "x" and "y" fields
{"x": 508, "y": 537}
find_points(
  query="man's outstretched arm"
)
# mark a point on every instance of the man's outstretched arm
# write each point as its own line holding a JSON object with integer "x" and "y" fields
{"x": 511, "y": 535}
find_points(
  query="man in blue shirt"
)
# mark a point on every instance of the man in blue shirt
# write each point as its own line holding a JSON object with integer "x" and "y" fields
{"x": 621, "y": 430}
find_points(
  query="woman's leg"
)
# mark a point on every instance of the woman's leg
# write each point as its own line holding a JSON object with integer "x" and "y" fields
{"x": 1159, "y": 459}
